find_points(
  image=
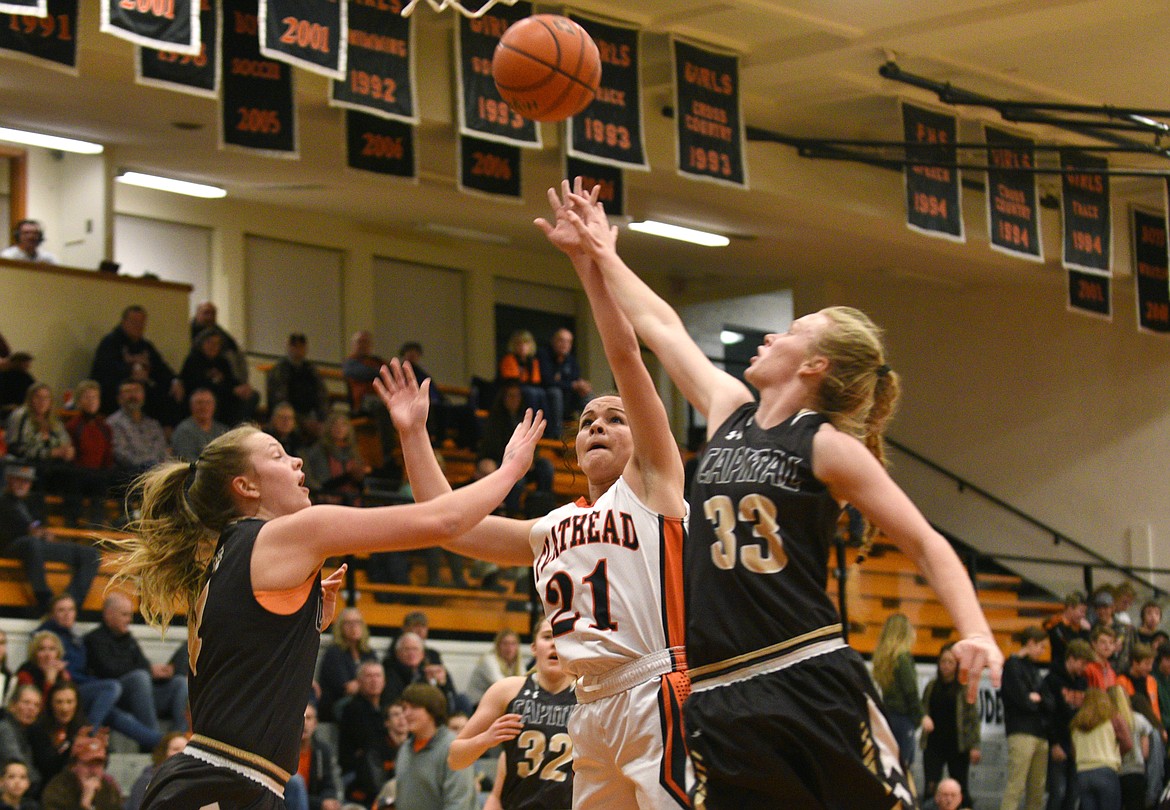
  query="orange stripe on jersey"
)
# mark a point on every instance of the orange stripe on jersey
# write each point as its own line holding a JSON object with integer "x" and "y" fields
{"x": 287, "y": 602}
{"x": 673, "y": 607}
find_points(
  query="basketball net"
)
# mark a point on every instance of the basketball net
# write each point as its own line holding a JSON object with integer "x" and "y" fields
{"x": 443, "y": 5}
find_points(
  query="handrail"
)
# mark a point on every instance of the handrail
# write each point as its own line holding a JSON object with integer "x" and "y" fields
{"x": 1057, "y": 536}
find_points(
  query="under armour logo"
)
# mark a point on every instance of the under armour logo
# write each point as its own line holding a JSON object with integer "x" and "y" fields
{"x": 734, "y": 435}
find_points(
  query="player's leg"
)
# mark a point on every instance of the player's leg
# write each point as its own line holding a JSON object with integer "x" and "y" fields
{"x": 654, "y": 753}
{"x": 596, "y": 730}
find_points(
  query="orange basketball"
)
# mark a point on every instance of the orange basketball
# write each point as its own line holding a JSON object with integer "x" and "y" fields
{"x": 546, "y": 67}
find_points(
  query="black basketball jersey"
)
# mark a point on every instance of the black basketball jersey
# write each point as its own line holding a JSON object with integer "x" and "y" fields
{"x": 761, "y": 526}
{"x": 251, "y": 669}
{"x": 538, "y": 764}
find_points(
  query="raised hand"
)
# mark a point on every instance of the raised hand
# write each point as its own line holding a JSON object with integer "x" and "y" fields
{"x": 595, "y": 233}
{"x": 561, "y": 232}
{"x": 521, "y": 446}
{"x": 329, "y": 589}
{"x": 408, "y": 402}
{"x": 975, "y": 654}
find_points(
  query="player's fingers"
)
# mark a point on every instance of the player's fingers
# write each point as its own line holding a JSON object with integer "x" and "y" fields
{"x": 554, "y": 199}
{"x": 543, "y": 225}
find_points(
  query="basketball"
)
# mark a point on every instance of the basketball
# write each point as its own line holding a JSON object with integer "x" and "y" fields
{"x": 546, "y": 67}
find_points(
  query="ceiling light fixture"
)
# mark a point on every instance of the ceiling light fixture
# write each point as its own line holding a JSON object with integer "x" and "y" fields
{"x": 682, "y": 234}
{"x": 171, "y": 185}
{"x": 470, "y": 234}
{"x": 50, "y": 142}
{"x": 729, "y": 338}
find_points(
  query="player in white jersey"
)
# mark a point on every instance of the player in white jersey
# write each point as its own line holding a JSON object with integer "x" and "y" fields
{"x": 608, "y": 568}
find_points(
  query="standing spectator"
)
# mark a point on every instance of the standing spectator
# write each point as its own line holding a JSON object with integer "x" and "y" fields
{"x": 1161, "y": 674}
{"x": 14, "y": 784}
{"x": 15, "y": 380}
{"x": 1065, "y": 688}
{"x": 23, "y": 709}
{"x": 334, "y": 470}
{"x": 567, "y": 392}
{"x": 85, "y": 784}
{"x": 506, "y": 412}
{"x": 45, "y": 667}
{"x": 350, "y": 649}
{"x": 1026, "y": 719}
{"x": 139, "y": 440}
{"x": 197, "y": 430}
{"x": 425, "y": 782}
{"x": 125, "y": 354}
{"x": 501, "y": 661}
{"x": 1133, "y": 762}
{"x": 1100, "y": 673}
{"x": 950, "y": 729}
{"x": 1151, "y": 623}
{"x": 26, "y": 244}
{"x": 295, "y": 380}
{"x": 1140, "y": 686}
{"x": 171, "y": 744}
{"x": 444, "y": 415}
{"x": 23, "y": 536}
{"x": 149, "y": 691}
{"x": 519, "y": 364}
{"x": 1067, "y": 625}
{"x": 207, "y": 367}
{"x": 282, "y": 426}
{"x": 93, "y": 440}
{"x": 1099, "y": 737}
{"x": 360, "y": 732}
{"x": 894, "y": 673}
{"x": 1124, "y": 637}
{"x": 205, "y": 318}
{"x": 318, "y": 766}
{"x": 1123, "y": 596}
{"x": 52, "y": 736}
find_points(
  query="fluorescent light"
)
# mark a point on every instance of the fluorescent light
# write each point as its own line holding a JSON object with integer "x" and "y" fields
{"x": 470, "y": 234}
{"x": 682, "y": 234}
{"x": 50, "y": 142}
{"x": 729, "y": 338}
{"x": 169, "y": 184}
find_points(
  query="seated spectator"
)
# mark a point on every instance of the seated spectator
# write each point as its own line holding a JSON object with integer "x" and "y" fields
{"x": 444, "y": 415}
{"x": 22, "y": 711}
{"x": 14, "y": 784}
{"x": 7, "y": 678}
{"x": 396, "y": 734}
{"x": 207, "y": 367}
{"x": 394, "y": 566}
{"x": 948, "y": 795}
{"x": 45, "y": 667}
{"x": 560, "y": 373}
{"x": 951, "y": 732}
{"x": 93, "y": 440}
{"x": 360, "y": 733}
{"x": 318, "y": 767}
{"x": 171, "y": 744}
{"x": 334, "y": 471}
{"x": 26, "y": 244}
{"x": 424, "y": 780}
{"x": 404, "y": 664}
{"x": 15, "y": 380}
{"x": 23, "y": 536}
{"x": 139, "y": 440}
{"x": 295, "y": 380}
{"x": 1151, "y": 623}
{"x": 1099, "y": 672}
{"x": 360, "y": 369}
{"x": 52, "y": 736}
{"x": 206, "y": 315}
{"x": 501, "y": 661}
{"x": 430, "y": 669}
{"x": 519, "y": 364}
{"x": 124, "y": 354}
{"x": 282, "y": 426}
{"x": 149, "y": 691}
{"x": 337, "y": 675}
{"x": 197, "y": 430}
{"x": 506, "y": 413}
{"x": 85, "y": 784}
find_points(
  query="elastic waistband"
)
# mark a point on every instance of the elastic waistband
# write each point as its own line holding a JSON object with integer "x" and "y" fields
{"x": 768, "y": 659}
{"x": 621, "y": 678}
{"x": 245, "y": 763}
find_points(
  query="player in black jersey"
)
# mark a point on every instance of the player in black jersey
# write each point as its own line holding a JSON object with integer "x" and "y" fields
{"x": 529, "y": 716}
{"x": 782, "y": 712}
{"x": 234, "y": 536}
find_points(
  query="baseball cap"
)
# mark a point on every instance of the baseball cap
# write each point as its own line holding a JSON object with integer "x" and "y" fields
{"x": 1103, "y": 599}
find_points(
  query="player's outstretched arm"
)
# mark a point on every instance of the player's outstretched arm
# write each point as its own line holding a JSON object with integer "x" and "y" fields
{"x": 852, "y": 474}
{"x": 490, "y": 724}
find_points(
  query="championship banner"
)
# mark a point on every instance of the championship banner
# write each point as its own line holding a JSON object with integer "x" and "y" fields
{"x": 489, "y": 167}
{"x": 380, "y": 65}
{"x": 613, "y": 187}
{"x": 29, "y": 8}
{"x": 1090, "y": 294}
{"x": 197, "y": 74}
{"x": 708, "y": 120}
{"x": 934, "y": 200}
{"x": 1086, "y": 213}
{"x": 171, "y": 25}
{"x": 307, "y": 33}
{"x": 379, "y": 145}
{"x": 482, "y": 113}
{"x": 1150, "y": 264}
{"x": 1013, "y": 216}
{"x": 610, "y": 129}
{"x": 44, "y": 38}
{"x": 256, "y": 107}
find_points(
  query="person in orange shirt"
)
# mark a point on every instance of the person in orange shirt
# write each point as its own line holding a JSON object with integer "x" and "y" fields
{"x": 1099, "y": 672}
{"x": 520, "y": 363}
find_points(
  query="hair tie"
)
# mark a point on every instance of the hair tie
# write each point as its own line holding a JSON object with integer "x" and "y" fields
{"x": 191, "y": 468}
{"x": 883, "y": 370}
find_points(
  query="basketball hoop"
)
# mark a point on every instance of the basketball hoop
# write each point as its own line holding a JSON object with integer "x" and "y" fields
{"x": 443, "y": 5}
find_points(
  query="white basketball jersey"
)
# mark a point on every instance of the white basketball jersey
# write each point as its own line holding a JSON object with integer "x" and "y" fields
{"x": 610, "y": 577}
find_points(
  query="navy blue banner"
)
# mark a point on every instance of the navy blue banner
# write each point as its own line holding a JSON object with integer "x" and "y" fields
{"x": 1150, "y": 264}
{"x": 380, "y": 68}
{"x": 1013, "y": 217}
{"x": 375, "y": 144}
{"x": 181, "y": 72}
{"x": 307, "y": 33}
{"x": 708, "y": 120}
{"x": 934, "y": 202}
{"x": 613, "y": 187}
{"x": 1090, "y": 294}
{"x": 489, "y": 167}
{"x": 1087, "y": 219}
{"x": 482, "y": 113}
{"x": 50, "y": 38}
{"x": 257, "y": 105}
{"x": 610, "y": 129}
{"x": 172, "y": 25}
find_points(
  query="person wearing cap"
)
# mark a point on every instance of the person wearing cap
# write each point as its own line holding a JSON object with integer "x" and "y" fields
{"x": 23, "y": 536}
{"x": 295, "y": 380}
{"x": 1071, "y": 623}
{"x": 1105, "y": 610}
{"x": 84, "y": 785}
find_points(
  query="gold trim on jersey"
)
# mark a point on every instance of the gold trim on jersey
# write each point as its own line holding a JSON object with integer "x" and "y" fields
{"x": 758, "y": 656}
{"x": 246, "y": 763}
